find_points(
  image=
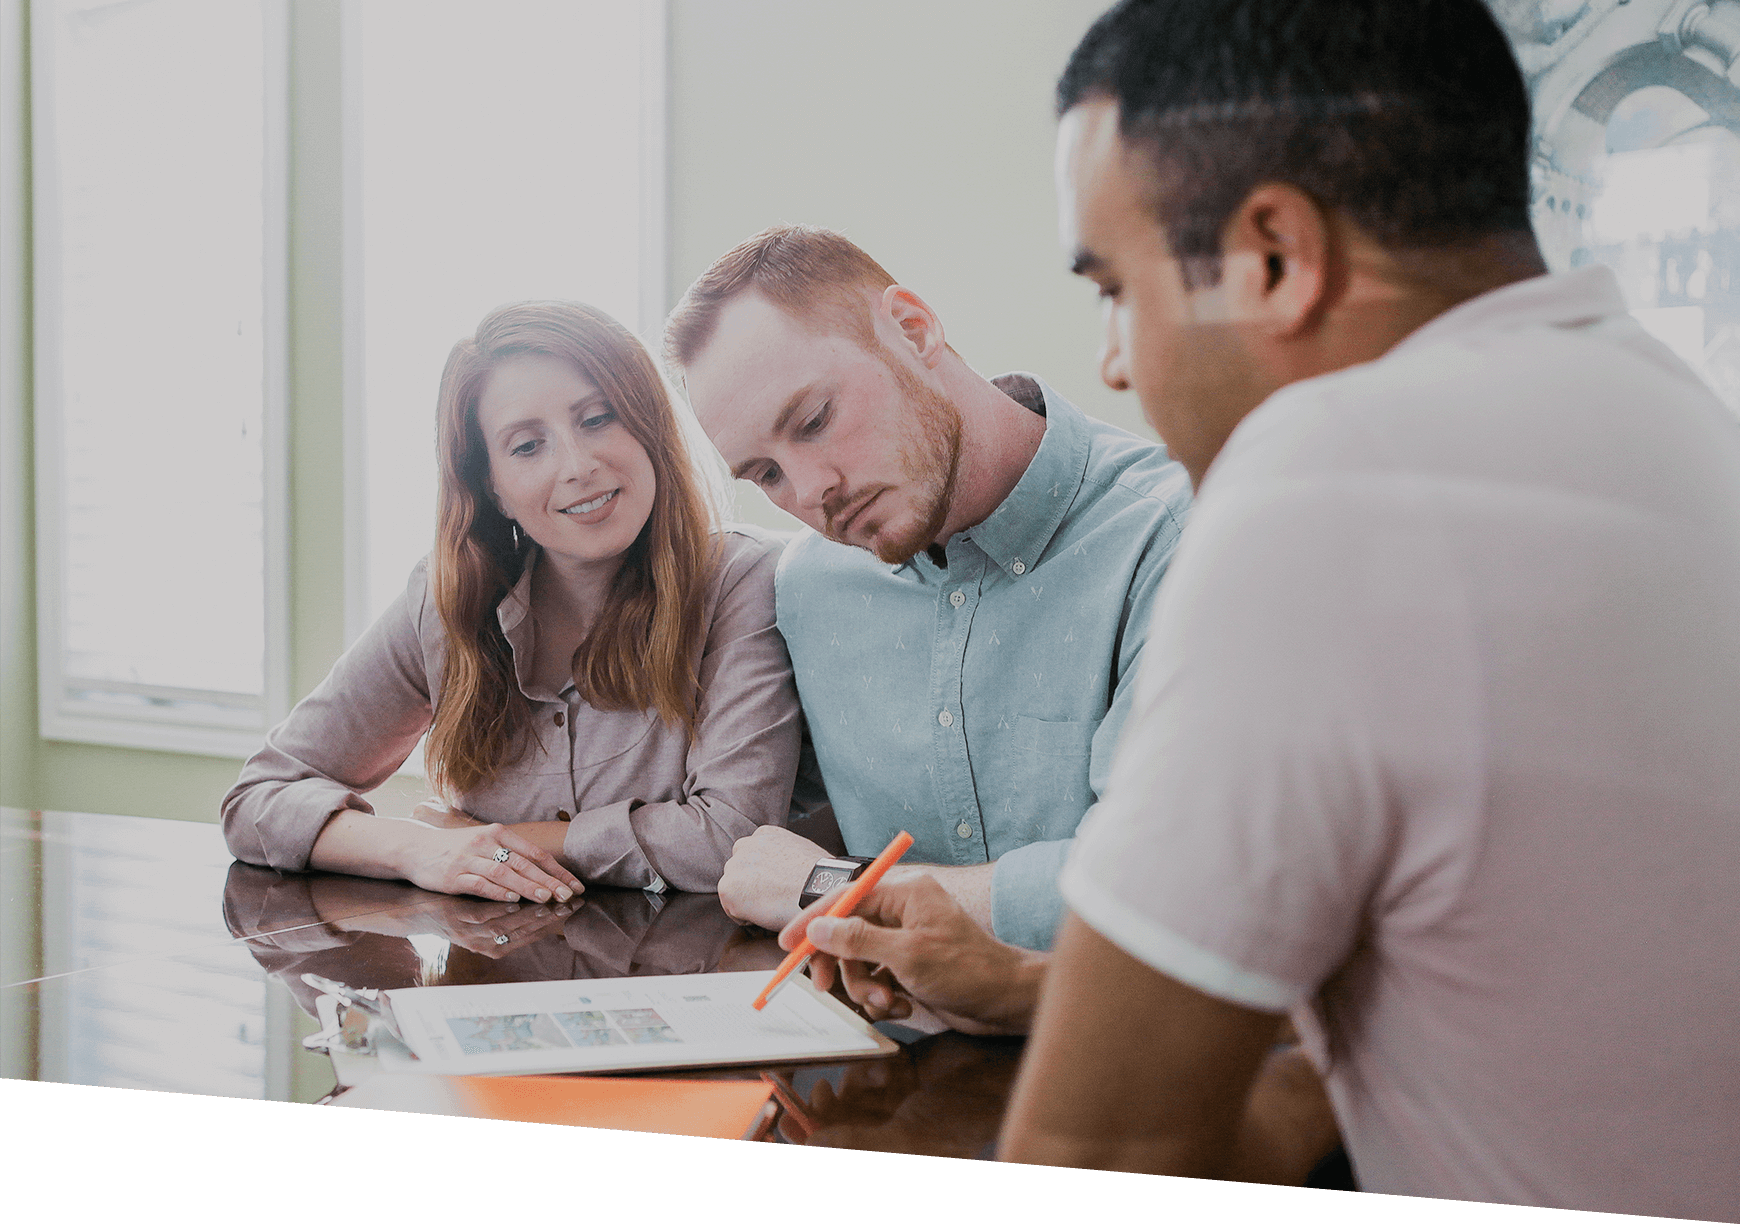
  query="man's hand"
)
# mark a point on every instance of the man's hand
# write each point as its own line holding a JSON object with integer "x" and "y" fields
{"x": 766, "y": 873}
{"x": 928, "y": 949}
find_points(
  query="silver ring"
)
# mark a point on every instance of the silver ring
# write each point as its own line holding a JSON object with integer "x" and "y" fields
{"x": 501, "y": 939}
{"x": 502, "y": 855}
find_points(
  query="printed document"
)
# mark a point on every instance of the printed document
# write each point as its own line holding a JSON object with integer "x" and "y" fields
{"x": 624, "y": 1024}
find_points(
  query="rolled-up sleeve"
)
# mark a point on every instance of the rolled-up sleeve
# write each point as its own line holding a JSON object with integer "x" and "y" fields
{"x": 344, "y": 738}
{"x": 741, "y": 760}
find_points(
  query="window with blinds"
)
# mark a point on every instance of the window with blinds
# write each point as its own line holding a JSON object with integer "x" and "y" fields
{"x": 158, "y": 168}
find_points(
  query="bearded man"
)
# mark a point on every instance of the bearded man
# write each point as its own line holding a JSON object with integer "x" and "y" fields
{"x": 966, "y": 615}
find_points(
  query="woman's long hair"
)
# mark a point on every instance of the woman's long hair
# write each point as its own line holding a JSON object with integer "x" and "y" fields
{"x": 642, "y": 649}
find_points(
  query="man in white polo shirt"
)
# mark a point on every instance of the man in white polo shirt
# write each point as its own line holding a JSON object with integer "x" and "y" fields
{"x": 1437, "y": 741}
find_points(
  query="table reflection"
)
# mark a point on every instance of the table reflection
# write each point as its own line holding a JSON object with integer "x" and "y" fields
{"x": 137, "y": 954}
{"x": 387, "y": 935}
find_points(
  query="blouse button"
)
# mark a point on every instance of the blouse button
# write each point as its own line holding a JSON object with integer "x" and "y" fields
{"x": 1018, "y": 569}
{"x": 946, "y": 719}
{"x": 957, "y": 599}
{"x": 564, "y": 815}
{"x": 964, "y": 829}
{"x": 558, "y": 718}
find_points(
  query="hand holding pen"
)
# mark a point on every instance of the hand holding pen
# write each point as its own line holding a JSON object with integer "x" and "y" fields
{"x": 836, "y": 908}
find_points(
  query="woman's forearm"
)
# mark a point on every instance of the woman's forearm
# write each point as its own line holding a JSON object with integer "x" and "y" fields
{"x": 358, "y": 843}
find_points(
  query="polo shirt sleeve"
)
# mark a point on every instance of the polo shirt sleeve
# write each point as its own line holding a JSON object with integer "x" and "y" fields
{"x": 1249, "y": 819}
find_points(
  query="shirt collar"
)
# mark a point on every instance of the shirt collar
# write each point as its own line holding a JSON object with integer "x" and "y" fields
{"x": 1020, "y": 528}
{"x": 1564, "y": 299}
{"x": 514, "y": 615}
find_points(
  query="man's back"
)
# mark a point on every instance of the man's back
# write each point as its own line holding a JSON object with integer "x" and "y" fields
{"x": 1448, "y": 731}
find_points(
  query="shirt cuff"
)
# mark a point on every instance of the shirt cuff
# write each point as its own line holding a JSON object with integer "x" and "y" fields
{"x": 298, "y": 815}
{"x": 1026, "y": 907}
{"x": 600, "y": 847}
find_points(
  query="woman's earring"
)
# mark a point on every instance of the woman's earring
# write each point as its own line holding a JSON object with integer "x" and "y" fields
{"x": 515, "y": 528}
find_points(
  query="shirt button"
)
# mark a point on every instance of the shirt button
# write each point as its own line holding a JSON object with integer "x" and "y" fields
{"x": 558, "y": 718}
{"x": 946, "y": 719}
{"x": 957, "y": 599}
{"x": 1018, "y": 569}
{"x": 964, "y": 829}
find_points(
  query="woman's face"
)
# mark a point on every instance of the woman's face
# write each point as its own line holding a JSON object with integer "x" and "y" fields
{"x": 561, "y": 464}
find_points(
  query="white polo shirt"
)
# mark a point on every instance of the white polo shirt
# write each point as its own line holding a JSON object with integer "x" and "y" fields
{"x": 1438, "y": 744}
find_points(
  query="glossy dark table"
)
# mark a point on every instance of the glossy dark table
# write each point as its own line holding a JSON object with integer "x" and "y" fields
{"x": 136, "y": 953}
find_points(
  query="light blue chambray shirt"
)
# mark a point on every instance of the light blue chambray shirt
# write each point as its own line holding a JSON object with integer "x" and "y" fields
{"x": 978, "y": 706}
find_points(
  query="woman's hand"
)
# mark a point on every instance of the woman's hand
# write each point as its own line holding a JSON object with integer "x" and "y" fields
{"x": 467, "y": 861}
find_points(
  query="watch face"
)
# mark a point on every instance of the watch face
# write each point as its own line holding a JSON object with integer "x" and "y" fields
{"x": 824, "y": 878}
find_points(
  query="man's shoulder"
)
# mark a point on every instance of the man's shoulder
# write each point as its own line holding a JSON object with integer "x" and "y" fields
{"x": 810, "y": 552}
{"x": 1127, "y": 472}
{"x": 1139, "y": 464}
{"x": 1115, "y": 458}
{"x": 1528, "y": 404}
{"x": 812, "y": 562}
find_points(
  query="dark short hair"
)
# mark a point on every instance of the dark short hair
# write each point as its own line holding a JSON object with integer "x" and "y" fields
{"x": 1409, "y": 116}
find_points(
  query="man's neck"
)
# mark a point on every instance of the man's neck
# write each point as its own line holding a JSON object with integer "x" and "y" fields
{"x": 1385, "y": 295}
{"x": 999, "y": 437}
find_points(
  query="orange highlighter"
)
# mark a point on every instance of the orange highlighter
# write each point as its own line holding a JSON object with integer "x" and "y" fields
{"x": 839, "y": 909}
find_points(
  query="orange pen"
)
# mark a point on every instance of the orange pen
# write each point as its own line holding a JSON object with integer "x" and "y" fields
{"x": 839, "y": 909}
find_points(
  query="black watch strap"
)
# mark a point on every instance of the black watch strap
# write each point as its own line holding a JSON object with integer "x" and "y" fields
{"x": 828, "y": 874}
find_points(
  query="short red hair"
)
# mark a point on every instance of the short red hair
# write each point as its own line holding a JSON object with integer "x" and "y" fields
{"x": 809, "y": 272}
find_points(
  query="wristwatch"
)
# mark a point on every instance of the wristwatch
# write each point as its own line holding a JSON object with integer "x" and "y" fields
{"x": 828, "y": 874}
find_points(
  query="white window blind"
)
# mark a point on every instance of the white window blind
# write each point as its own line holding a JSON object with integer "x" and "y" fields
{"x": 158, "y": 158}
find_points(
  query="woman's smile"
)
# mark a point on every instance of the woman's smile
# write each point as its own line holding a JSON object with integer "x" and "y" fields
{"x": 587, "y": 507}
{"x": 559, "y": 451}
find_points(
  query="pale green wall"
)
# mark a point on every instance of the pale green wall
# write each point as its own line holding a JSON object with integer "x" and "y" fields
{"x": 921, "y": 128}
{"x": 17, "y": 592}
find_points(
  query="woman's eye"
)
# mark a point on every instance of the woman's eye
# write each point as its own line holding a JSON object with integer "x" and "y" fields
{"x": 768, "y": 476}
{"x": 524, "y": 448}
{"x": 599, "y": 420}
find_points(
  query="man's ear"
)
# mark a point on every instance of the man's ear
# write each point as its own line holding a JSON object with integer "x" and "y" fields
{"x": 1275, "y": 267}
{"x": 917, "y": 322}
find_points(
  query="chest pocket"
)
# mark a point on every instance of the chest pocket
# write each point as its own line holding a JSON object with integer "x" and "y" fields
{"x": 1051, "y": 761}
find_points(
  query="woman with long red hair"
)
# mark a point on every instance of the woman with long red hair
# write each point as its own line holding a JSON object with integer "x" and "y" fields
{"x": 594, "y": 661}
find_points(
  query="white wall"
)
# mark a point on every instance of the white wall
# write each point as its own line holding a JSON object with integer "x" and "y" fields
{"x": 923, "y": 130}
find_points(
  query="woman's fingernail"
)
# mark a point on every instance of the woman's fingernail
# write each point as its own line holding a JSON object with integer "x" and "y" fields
{"x": 513, "y": 896}
{"x": 543, "y": 894}
{"x": 562, "y": 894}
